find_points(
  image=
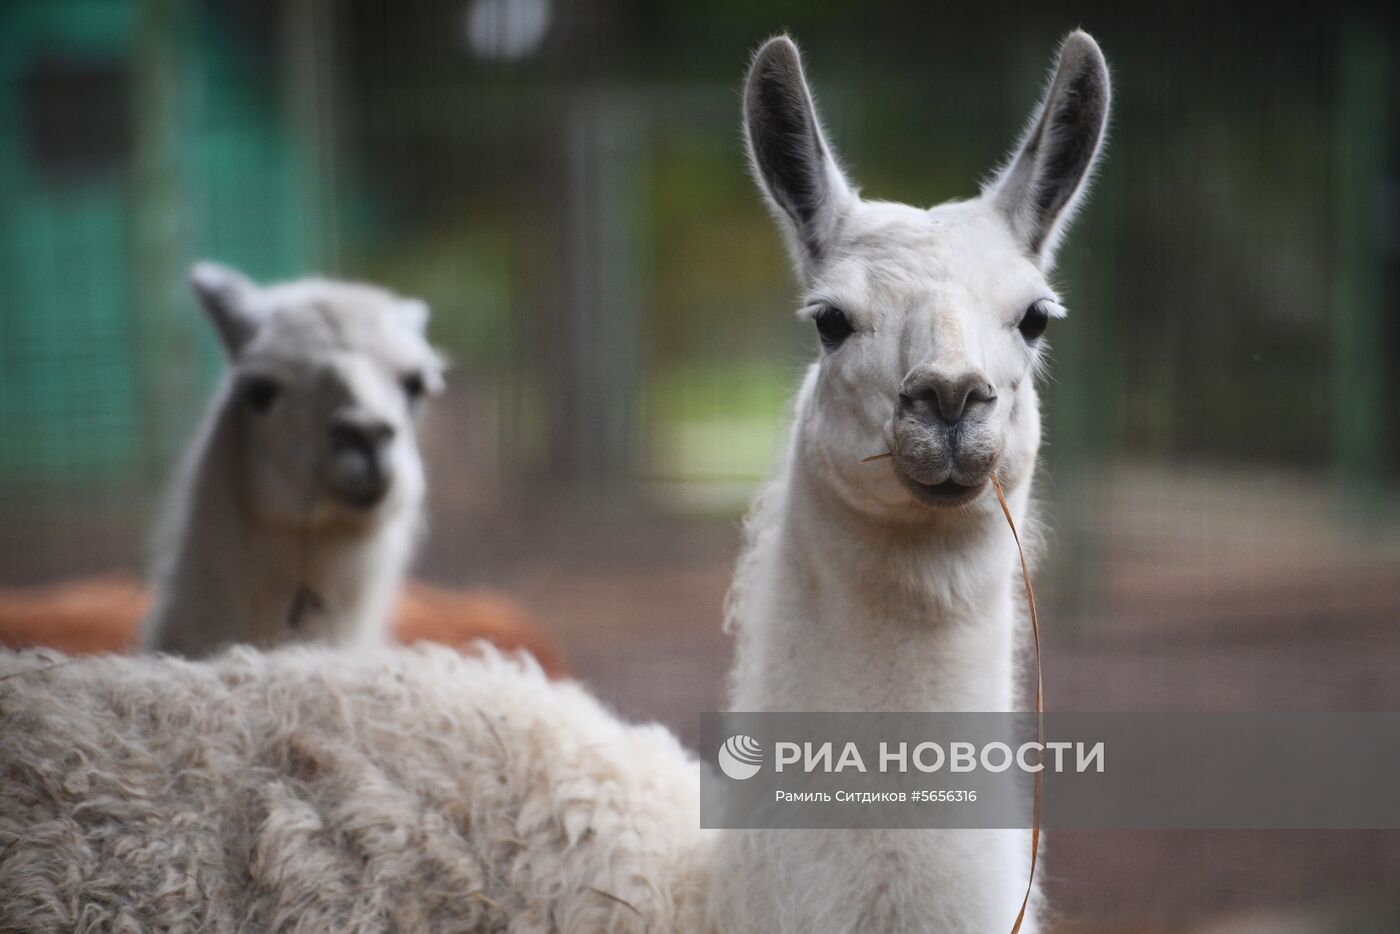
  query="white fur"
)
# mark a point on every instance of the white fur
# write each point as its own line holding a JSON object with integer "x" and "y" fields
{"x": 861, "y": 590}
{"x": 254, "y": 516}
{"x": 853, "y": 596}
{"x": 324, "y": 789}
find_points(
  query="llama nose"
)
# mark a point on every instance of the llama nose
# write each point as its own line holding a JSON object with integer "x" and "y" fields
{"x": 359, "y": 472}
{"x": 359, "y": 432}
{"x": 932, "y": 393}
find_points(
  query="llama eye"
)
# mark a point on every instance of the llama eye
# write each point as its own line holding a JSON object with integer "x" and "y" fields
{"x": 259, "y": 393}
{"x": 832, "y": 326}
{"x": 1034, "y": 321}
{"x": 413, "y": 386}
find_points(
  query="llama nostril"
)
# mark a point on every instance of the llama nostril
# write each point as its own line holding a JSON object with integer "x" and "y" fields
{"x": 983, "y": 393}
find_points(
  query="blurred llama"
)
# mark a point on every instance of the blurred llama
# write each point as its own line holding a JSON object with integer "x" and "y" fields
{"x": 298, "y": 507}
{"x": 104, "y": 613}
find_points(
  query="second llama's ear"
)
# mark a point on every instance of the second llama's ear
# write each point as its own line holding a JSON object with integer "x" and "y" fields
{"x": 1045, "y": 181}
{"x": 788, "y": 153}
{"x": 229, "y": 298}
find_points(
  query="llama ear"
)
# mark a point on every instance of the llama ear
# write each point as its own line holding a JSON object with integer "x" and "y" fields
{"x": 1039, "y": 190}
{"x": 415, "y": 313}
{"x": 229, "y": 298}
{"x": 788, "y": 153}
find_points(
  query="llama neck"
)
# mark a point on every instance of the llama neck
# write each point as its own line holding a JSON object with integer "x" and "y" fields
{"x": 229, "y": 578}
{"x": 839, "y": 611}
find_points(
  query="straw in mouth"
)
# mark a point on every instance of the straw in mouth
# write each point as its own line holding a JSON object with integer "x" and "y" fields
{"x": 1039, "y": 701}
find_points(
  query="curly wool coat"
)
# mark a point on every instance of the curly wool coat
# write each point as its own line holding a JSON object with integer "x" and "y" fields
{"x": 318, "y": 789}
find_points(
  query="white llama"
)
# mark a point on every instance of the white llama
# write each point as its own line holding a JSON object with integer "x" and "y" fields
{"x": 299, "y": 503}
{"x": 321, "y": 788}
{"x": 893, "y": 586}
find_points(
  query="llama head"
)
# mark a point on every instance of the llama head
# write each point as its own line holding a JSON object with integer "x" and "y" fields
{"x": 931, "y": 320}
{"x": 327, "y": 381}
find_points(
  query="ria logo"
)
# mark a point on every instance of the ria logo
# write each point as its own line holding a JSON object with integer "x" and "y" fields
{"x": 740, "y": 757}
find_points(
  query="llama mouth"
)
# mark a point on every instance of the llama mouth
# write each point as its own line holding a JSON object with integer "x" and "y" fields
{"x": 358, "y": 479}
{"x": 942, "y": 482}
{"x": 361, "y": 493}
{"x": 363, "y": 500}
{"x": 949, "y": 494}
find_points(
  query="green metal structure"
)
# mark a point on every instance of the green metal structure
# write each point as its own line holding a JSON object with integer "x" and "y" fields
{"x": 134, "y": 138}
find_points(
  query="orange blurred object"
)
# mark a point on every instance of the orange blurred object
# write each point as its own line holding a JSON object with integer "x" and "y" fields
{"x": 100, "y": 614}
